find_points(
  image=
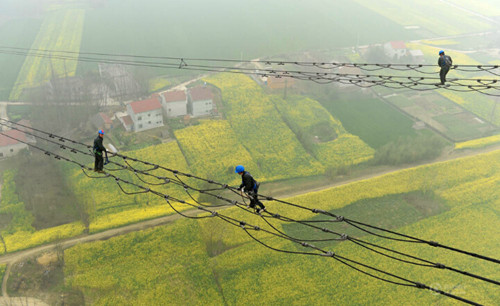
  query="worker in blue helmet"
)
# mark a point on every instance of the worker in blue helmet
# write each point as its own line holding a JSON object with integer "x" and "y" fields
{"x": 98, "y": 149}
{"x": 251, "y": 187}
{"x": 445, "y": 63}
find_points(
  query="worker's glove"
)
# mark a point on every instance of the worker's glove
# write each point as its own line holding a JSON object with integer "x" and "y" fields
{"x": 106, "y": 161}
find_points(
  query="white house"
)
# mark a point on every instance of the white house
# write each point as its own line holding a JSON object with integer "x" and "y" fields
{"x": 200, "y": 101}
{"x": 395, "y": 49}
{"x": 417, "y": 56}
{"x": 146, "y": 114}
{"x": 174, "y": 103}
{"x": 10, "y": 147}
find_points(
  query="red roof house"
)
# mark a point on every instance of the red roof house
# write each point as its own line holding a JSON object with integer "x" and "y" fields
{"x": 145, "y": 105}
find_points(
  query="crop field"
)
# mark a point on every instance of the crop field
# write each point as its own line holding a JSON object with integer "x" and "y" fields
{"x": 447, "y": 20}
{"x": 446, "y": 202}
{"x": 255, "y": 120}
{"x": 60, "y": 30}
{"x": 375, "y": 122}
{"x": 20, "y": 33}
{"x": 108, "y": 207}
{"x": 322, "y": 134}
{"x": 105, "y": 205}
{"x": 16, "y": 226}
{"x": 167, "y": 264}
{"x": 478, "y": 143}
{"x": 213, "y": 150}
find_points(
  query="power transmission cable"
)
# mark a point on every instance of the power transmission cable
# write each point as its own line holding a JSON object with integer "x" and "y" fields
{"x": 247, "y": 226}
{"x": 343, "y": 237}
{"x": 483, "y": 86}
{"x": 314, "y": 64}
{"x": 357, "y": 224}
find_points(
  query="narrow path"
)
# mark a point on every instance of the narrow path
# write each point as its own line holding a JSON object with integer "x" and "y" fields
{"x": 4, "y": 281}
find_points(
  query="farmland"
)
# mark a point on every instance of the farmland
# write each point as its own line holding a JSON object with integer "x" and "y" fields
{"x": 446, "y": 21}
{"x": 21, "y": 33}
{"x": 60, "y": 30}
{"x": 478, "y": 143}
{"x": 321, "y": 134}
{"x": 375, "y": 122}
{"x": 213, "y": 149}
{"x": 415, "y": 201}
{"x": 252, "y": 115}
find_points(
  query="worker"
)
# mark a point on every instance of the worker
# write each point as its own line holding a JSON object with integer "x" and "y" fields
{"x": 445, "y": 63}
{"x": 251, "y": 187}
{"x": 98, "y": 149}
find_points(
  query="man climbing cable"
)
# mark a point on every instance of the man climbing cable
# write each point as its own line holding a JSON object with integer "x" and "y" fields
{"x": 445, "y": 63}
{"x": 251, "y": 187}
{"x": 98, "y": 149}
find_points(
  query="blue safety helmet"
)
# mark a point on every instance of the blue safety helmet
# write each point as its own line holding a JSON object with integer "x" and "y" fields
{"x": 441, "y": 52}
{"x": 239, "y": 169}
{"x": 100, "y": 132}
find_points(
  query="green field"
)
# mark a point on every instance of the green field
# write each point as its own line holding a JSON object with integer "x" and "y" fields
{"x": 415, "y": 201}
{"x": 375, "y": 122}
{"x": 19, "y": 33}
{"x": 446, "y": 19}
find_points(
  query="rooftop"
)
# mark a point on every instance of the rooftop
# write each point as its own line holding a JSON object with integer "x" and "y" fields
{"x": 398, "y": 44}
{"x": 174, "y": 96}
{"x": 145, "y": 105}
{"x": 200, "y": 93}
{"x": 6, "y": 141}
{"x": 127, "y": 120}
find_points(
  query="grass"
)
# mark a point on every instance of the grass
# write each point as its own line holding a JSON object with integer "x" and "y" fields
{"x": 375, "y": 122}
{"x": 458, "y": 128}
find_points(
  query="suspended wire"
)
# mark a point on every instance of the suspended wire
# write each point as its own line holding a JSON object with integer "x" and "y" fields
{"x": 247, "y": 226}
{"x": 484, "y": 86}
{"x": 354, "y": 223}
{"x": 320, "y": 65}
{"x": 342, "y": 236}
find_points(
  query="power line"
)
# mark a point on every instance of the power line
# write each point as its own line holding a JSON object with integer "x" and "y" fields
{"x": 357, "y": 224}
{"x": 484, "y": 86}
{"x": 313, "y": 64}
{"x": 343, "y": 237}
{"x": 247, "y": 227}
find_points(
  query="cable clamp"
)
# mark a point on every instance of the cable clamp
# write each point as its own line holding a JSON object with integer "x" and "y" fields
{"x": 242, "y": 224}
{"x": 214, "y": 213}
{"x": 256, "y": 228}
{"x": 440, "y": 266}
{"x": 340, "y": 218}
{"x": 433, "y": 243}
{"x": 318, "y": 211}
{"x": 328, "y": 254}
{"x": 420, "y": 286}
{"x": 304, "y": 244}
{"x": 344, "y": 237}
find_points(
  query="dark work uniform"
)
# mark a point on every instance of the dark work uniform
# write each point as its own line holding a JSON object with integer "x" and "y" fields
{"x": 251, "y": 187}
{"x": 98, "y": 149}
{"x": 445, "y": 63}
